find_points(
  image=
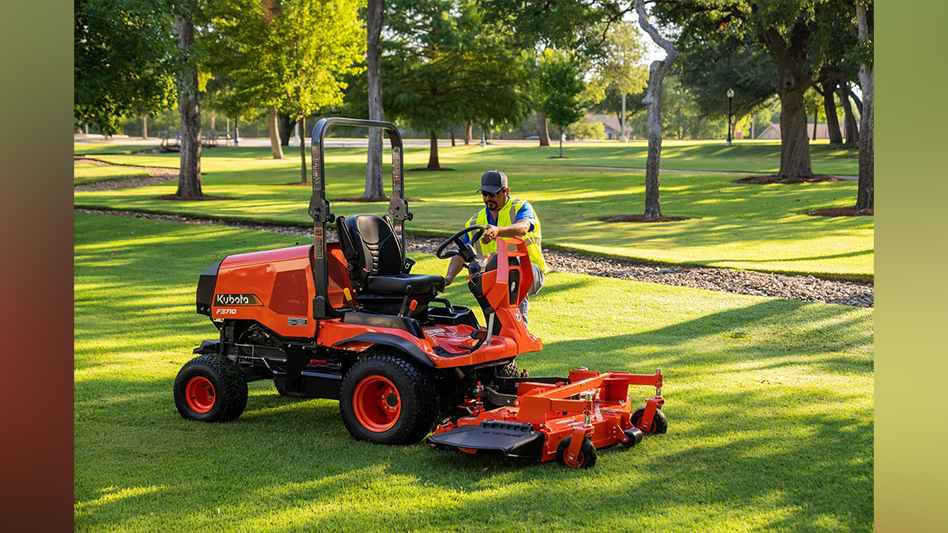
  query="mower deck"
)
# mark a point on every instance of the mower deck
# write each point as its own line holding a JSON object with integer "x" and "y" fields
{"x": 566, "y": 419}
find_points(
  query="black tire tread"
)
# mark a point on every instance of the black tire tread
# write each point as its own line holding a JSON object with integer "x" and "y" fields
{"x": 660, "y": 421}
{"x": 587, "y": 452}
{"x": 420, "y": 411}
{"x": 229, "y": 385}
{"x": 509, "y": 370}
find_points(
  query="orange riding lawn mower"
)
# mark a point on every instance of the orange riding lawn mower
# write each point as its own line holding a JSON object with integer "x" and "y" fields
{"x": 347, "y": 320}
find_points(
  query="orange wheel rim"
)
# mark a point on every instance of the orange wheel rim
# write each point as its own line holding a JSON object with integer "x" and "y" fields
{"x": 376, "y": 403}
{"x": 200, "y": 394}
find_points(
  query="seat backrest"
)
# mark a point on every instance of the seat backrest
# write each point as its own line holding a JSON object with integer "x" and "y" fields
{"x": 369, "y": 244}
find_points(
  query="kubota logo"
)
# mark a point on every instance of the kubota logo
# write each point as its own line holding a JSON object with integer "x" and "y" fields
{"x": 236, "y": 299}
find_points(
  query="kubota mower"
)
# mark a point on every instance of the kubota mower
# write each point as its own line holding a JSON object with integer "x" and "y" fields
{"x": 348, "y": 320}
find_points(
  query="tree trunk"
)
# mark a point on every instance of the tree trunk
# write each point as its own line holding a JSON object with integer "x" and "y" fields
{"x": 452, "y": 136}
{"x": 144, "y": 126}
{"x": 303, "y": 169}
{"x": 622, "y": 137}
{"x": 829, "y": 107}
{"x": 213, "y": 114}
{"x": 816, "y": 120}
{"x": 653, "y": 110}
{"x": 276, "y": 150}
{"x": 852, "y": 132}
{"x": 562, "y": 134}
{"x": 433, "y": 163}
{"x": 236, "y": 130}
{"x": 373, "y": 169}
{"x": 286, "y": 128}
{"x": 794, "y": 144}
{"x": 865, "y": 197}
{"x": 468, "y": 132}
{"x": 789, "y": 59}
{"x": 543, "y": 131}
{"x": 855, "y": 99}
{"x": 189, "y": 111}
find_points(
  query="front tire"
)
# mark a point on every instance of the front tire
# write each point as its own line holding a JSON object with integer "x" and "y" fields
{"x": 210, "y": 388}
{"x": 387, "y": 400}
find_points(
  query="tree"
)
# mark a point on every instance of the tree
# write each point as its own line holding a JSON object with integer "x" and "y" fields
{"x": 620, "y": 64}
{"x": 560, "y": 87}
{"x": 788, "y": 30}
{"x": 123, "y": 57}
{"x": 710, "y": 68}
{"x": 278, "y": 62}
{"x": 653, "y": 105}
{"x": 373, "y": 170}
{"x": 440, "y": 70}
{"x": 189, "y": 105}
{"x": 865, "y": 196}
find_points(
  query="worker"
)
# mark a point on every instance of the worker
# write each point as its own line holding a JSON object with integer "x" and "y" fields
{"x": 504, "y": 216}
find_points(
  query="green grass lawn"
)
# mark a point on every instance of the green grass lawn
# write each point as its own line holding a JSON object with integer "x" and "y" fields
{"x": 86, "y": 173}
{"x": 746, "y": 226}
{"x": 770, "y": 405}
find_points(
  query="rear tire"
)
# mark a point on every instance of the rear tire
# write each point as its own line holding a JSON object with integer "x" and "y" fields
{"x": 387, "y": 400}
{"x": 509, "y": 370}
{"x": 210, "y": 388}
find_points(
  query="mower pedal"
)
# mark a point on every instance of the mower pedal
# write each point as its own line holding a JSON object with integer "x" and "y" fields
{"x": 513, "y": 439}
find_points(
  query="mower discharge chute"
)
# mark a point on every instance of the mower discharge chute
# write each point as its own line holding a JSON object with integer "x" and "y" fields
{"x": 347, "y": 320}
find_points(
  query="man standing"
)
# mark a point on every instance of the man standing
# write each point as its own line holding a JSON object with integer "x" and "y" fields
{"x": 504, "y": 216}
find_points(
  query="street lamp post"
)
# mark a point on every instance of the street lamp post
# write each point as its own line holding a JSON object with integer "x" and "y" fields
{"x": 730, "y": 95}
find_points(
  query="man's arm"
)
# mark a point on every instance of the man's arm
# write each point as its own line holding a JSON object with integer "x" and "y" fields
{"x": 454, "y": 267}
{"x": 517, "y": 229}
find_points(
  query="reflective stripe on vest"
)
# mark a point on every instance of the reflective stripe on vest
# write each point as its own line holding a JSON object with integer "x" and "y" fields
{"x": 505, "y": 217}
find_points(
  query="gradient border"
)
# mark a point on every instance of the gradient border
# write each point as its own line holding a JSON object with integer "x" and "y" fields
{"x": 36, "y": 399}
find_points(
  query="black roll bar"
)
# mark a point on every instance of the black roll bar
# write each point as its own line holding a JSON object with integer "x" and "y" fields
{"x": 319, "y": 208}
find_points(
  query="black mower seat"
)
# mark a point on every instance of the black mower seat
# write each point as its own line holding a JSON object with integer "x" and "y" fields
{"x": 399, "y": 283}
{"x": 375, "y": 260}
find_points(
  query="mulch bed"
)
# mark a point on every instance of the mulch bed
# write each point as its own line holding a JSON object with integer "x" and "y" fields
{"x": 642, "y": 218}
{"x": 774, "y": 178}
{"x": 206, "y": 197}
{"x": 842, "y": 212}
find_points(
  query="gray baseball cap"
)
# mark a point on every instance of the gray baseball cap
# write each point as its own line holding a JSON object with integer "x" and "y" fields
{"x": 493, "y": 181}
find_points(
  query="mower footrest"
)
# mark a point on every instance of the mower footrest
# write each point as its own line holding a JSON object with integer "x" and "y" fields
{"x": 514, "y": 439}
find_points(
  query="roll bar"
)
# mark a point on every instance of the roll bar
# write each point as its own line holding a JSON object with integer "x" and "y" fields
{"x": 319, "y": 208}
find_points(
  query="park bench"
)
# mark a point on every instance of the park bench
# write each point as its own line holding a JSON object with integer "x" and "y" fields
{"x": 169, "y": 142}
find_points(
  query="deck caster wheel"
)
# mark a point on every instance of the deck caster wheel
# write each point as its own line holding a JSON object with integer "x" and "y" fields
{"x": 635, "y": 436}
{"x": 210, "y": 388}
{"x": 587, "y": 454}
{"x": 659, "y": 421}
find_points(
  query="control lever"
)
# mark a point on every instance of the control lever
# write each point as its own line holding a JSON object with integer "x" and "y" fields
{"x": 401, "y": 310}
{"x": 348, "y": 296}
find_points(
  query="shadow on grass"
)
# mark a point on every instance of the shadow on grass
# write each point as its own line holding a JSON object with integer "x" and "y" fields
{"x": 770, "y": 409}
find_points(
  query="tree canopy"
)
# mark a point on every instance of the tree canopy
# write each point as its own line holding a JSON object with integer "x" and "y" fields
{"x": 124, "y": 61}
{"x": 559, "y": 89}
{"x": 442, "y": 65}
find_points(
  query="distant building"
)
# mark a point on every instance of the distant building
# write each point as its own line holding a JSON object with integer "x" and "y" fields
{"x": 773, "y": 131}
{"x": 610, "y": 123}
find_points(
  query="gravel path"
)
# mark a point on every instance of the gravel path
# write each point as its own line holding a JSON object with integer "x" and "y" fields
{"x": 155, "y": 176}
{"x": 803, "y": 288}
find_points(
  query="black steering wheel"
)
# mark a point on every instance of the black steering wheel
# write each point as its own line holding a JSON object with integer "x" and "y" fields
{"x": 465, "y": 250}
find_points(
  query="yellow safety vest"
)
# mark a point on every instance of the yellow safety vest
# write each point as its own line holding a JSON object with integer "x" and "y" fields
{"x": 505, "y": 217}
